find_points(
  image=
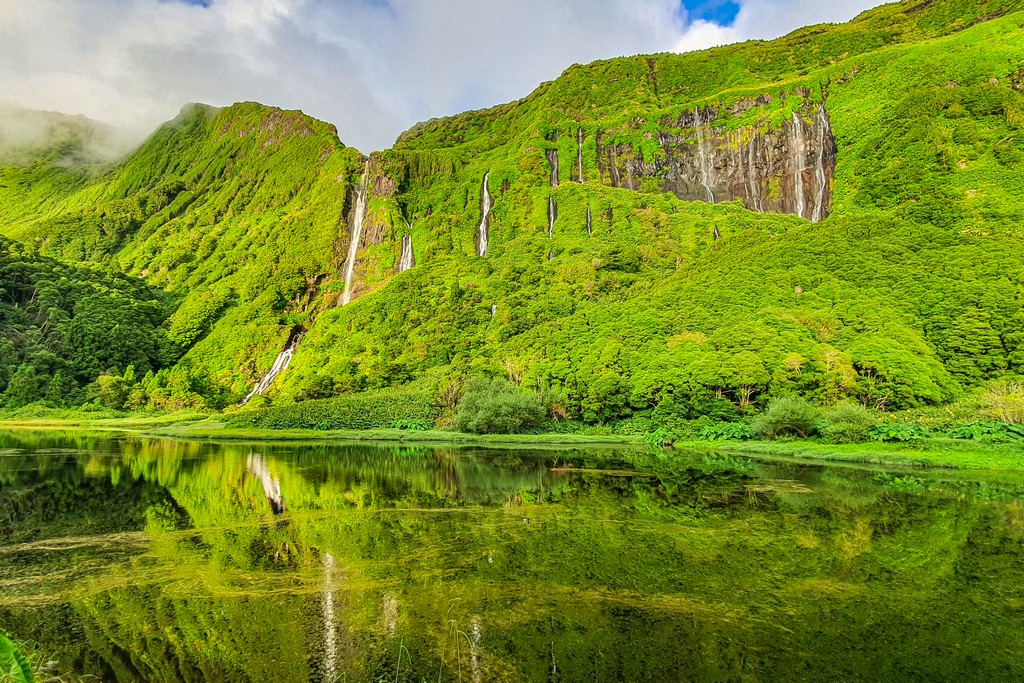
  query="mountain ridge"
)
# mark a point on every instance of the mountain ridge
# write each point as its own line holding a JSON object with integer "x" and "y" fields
{"x": 251, "y": 221}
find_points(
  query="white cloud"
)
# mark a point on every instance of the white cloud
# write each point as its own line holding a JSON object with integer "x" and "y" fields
{"x": 372, "y": 67}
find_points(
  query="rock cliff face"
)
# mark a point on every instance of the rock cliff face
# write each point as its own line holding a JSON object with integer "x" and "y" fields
{"x": 787, "y": 167}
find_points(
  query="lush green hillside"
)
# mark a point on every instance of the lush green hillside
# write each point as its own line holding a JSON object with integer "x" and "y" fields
{"x": 238, "y": 212}
{"x": 63, "y": 326}
{"x": 908, "y": 293}
{"x": 901, "y": 132}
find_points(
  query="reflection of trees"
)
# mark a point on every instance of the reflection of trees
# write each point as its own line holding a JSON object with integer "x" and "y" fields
{"x": 736, "y": 569}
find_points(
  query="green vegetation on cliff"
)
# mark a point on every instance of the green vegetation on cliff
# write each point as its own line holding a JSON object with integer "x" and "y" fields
{"x": 908, "y": 293}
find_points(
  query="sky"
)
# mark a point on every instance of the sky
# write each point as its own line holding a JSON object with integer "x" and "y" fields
{"x": 371, "y": 67}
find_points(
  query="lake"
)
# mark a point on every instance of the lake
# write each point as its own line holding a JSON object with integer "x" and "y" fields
{"x": 139, "y": 559}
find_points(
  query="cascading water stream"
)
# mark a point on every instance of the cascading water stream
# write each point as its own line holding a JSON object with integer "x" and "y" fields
{"x": 552, "y": 155}
{"x": 702, "y": 156}
{"x": 821, "y": 182}
{"x": 799, "y": 163}
{"x": 284, "y": 358}
{"x": 755, "y": 195}
{"x": 579, "y": 153}
{"x": 590, "y": 222}
{"x": 552, "y": 215}
{"x": 357, "y": 233}
{"x": 407, "y": 259}
{"x": 485, "y": 213}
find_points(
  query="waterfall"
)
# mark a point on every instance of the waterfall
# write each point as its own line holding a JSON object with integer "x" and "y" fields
{"x": 716, "y": 235}
{"x": 330, "y": 639}
{"x": 552, "y": 215}
{"x": 819, "y": 170}
{"x": 705, "y": 167}
{"x": 407, "y": 260}
{"x": 798, "y": 163}
{"x": 579, "y": 152}
{"x": 494, "y": 310}
{"x": 357, "y": 233}
{"x": 257, "y": 466}
{"x": 284, "y": 358}
{"x": 485, "y": 214}
{"x": 551, "y": 256}
{"x": 590, "y": 221}
{"x": 552, "y": 155}
{"x": 755, "y": 196}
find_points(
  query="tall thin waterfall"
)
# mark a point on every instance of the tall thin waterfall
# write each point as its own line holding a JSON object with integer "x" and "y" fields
{"x": 284, "y": 358}
{"x": 357, "y": 232}
{"x": 485, "y": 216}
{"x": 579, "y": 153}
{"x": 799, "y": 162}
{"x": 552, "y": 155}
{"x": 330, "y": 637}
{"x": 590, "y": 221}
{"x": 821, "y": 182}
{"x": 705, "y": 165}
{"x": 755, "y": 195}
{"x": 407, "y": 260}
{"x": 552, "y": 215}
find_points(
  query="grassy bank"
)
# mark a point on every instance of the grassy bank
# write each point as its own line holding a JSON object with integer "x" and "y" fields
{"x": 932, "y": 452}
{"x": 928, "y": 452}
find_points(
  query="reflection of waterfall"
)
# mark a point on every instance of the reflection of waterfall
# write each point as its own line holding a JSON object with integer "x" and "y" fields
{"x": 552, "y": 215}
{"x": 590, "y": 222}
{"x": 389, "y": 613}
{"x": 579, "y": 152}
{"x": 359, "y": 216}
{"x": 407, "y": 259}
{"x": 485, "y": 214}
{"x": 257, "y": 466}
{"x": 475, "y": 631}
{"x": 284, "y": 358}
{"x": 821, "y": 182}
{"x": 798, "y": 163}
{"x": 702, "y": 155}
{"x": 330, "y": 640}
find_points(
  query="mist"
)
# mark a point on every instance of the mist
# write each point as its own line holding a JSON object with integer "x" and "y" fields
{"x": 371, "y": 67}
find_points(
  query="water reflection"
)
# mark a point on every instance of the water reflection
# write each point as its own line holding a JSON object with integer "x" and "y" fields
{"x": 142, "y": 559}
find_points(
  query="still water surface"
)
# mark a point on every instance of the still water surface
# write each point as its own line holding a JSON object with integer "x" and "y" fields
{"x": 137, "y": 559}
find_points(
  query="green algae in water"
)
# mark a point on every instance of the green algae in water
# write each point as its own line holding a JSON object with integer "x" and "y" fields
{"x": 146, "y": 559}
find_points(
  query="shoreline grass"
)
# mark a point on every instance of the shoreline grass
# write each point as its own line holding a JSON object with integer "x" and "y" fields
{"x": 939, "y": 453}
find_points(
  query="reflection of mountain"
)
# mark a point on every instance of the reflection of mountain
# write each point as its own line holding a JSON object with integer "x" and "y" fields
{"x": 510, "y": 565}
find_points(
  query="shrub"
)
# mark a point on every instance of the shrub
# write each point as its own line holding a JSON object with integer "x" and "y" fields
{"x": 1004, "y": 401}
{"x": 786, "y": 415}
{"x": 896, "y": 432}
{"x": 847, "y": 423}
{"x": 368, "y": 410}
{"x": 727, "y": 431}
{"x": 496, "y": 406}
{"x": 993, "y": 430}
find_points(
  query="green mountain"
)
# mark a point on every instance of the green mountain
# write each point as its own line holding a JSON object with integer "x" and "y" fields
{"x": 835, "y": 213}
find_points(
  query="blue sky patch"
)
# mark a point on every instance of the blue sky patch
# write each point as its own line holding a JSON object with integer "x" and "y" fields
{"x": 718, "y": 11}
